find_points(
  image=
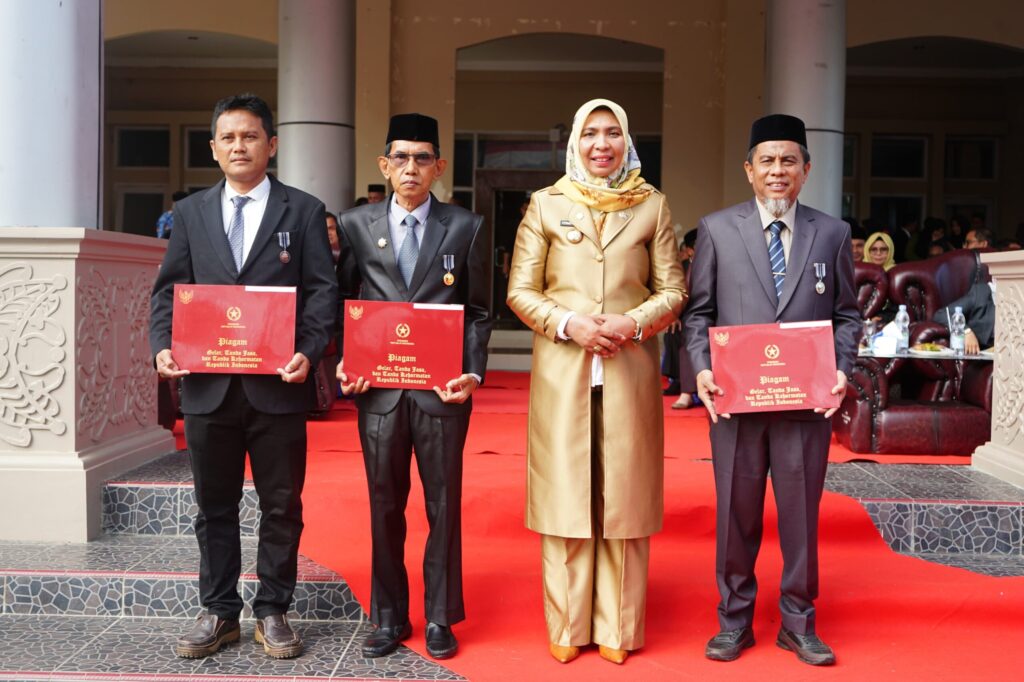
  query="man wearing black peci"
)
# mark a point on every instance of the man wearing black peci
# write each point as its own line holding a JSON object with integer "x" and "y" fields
{"x": 412, "y": 247}
{"x": 770, "y": 259}
{"x": 248, "y": 229}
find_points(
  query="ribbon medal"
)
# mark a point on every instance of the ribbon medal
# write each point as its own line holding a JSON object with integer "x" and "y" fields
{"x": 448, "y": 260}
{"x": 284, "y": 239}
{"x": 819, "y": 272}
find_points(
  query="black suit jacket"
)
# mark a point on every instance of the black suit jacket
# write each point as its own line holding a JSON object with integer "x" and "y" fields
{"x": 369, "y": 272}
{"x": 731, "y": 281}
{"x": 199, "y": 253}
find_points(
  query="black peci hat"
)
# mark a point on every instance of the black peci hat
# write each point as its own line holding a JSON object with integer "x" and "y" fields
{"x": 413, "y": 128}
{"x": 778, "y": 127}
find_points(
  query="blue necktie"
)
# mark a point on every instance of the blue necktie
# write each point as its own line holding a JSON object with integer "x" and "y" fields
{"x": 410, "y": 250}
{"x": 236, "y": 232}
{"x": 777, "y": 256}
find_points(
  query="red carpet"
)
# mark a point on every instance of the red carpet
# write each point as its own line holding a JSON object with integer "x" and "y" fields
{"x": 888, "y": 616}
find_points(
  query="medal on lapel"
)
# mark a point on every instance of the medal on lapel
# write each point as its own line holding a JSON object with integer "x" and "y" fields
{"x": 819, "y": 272}
{"x": 448, "y": 261}
{"x": 382, "y": 243}
{"x": 284, "y": 239}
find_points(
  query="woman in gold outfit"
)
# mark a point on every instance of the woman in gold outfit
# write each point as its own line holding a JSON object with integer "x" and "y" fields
{"x": 595, "y": 275}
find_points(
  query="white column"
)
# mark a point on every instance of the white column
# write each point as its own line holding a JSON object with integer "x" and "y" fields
{"x": 805, "y": 76}
{"x": 52, "y": 95}
{"x": 1003, "y": 455}
{"x": 316, "y": 98}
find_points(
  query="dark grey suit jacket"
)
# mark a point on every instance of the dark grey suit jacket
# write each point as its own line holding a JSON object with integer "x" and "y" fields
{"x": 731, "y": 281}
{"x": 368, "y": 272}
{"x": 198, "y": 253}
{"x": 980, "y": 310}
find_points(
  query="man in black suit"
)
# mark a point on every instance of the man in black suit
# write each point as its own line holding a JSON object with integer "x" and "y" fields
{"x": 396, "y": 251}
{"x": 248, "y": 229}
{"x": 769, "y": 260}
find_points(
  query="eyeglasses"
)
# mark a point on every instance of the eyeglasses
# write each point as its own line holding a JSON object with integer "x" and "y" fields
{"x": 401, "y": 159}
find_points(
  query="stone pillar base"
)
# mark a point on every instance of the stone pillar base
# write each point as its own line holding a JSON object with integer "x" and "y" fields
{"x": 999, "y": 461}
{"x": 58, "y": 497}
{"x": 77, "y": 385}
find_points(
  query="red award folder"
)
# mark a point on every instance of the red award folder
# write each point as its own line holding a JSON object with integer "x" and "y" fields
{"x": 227, "y": 329}
{"x": 395, "y": 344}
{"x": 774, "y": 367}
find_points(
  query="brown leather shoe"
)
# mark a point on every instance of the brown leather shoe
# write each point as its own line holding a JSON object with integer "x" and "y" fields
{"x": 277, "y": 637}
{"x": 206, "y": 637}
{"x": 563, "y": 654}
{"x": 616, "y": 656}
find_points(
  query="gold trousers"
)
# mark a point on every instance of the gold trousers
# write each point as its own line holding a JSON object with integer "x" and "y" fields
{"x": 595, "y": 589}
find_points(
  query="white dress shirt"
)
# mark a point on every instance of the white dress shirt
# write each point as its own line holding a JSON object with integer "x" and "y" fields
{"x": 786, "y": 234}
{"x": 252, "y": 212}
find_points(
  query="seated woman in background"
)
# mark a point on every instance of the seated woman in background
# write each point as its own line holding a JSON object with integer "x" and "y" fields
{"x": 878, "y": 249}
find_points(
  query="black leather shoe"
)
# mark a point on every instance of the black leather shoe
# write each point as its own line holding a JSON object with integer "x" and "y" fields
{"x": 808, "y": 648}
{"x": 673, "y": 388}
{"x": 382, "y": 641}
{"x": 277, "y": 637}
{"x": 441, "y": 642}
{"x": 206, "y": 637}
{"x": 727, "y": 645}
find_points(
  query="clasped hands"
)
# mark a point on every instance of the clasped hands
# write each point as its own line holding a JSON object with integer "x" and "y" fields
{"x": 294, "y": 372}
{"x": 457, "y": 390}
{"x": 707, "y": 389}
{"x": 602, "y": 335}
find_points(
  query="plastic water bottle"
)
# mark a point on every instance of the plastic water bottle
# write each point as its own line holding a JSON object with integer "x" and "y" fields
{"x": 957, "y": 327}
{"x": 903, "y": 324}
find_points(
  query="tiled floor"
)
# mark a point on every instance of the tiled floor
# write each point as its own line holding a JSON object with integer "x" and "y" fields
{"x": 32, "y": 647}
{"x": 952, "y": 515}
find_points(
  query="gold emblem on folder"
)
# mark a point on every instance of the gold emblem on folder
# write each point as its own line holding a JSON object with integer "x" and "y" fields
{"x": 721, "y": 338}
{"x": 234, "y": 313}
{"x": 185, "y": 296}
{"x": 355, "y": 312}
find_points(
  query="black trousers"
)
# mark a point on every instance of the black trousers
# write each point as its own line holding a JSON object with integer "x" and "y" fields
{"x": 276, "y": 444}
{"x": 388, "y": 442}
{"x": 744, "y": 449}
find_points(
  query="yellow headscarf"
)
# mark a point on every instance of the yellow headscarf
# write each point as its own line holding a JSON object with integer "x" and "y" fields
{"x": 622, "y": 188}
{"x": 876, "y": 236}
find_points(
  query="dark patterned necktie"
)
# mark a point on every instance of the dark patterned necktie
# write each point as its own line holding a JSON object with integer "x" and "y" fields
{"x": 777, "y": 256}
{"x": 410, "y": 250}
{"x": 236, "y": 231}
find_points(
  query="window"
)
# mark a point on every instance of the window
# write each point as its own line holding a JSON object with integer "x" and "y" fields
{"x": 197, "y": 149}
{"x": 895, "y": 211}
{"x": 462, "y": 159}
{"x": 849, "y": 156}
{"x": 143, "y": 147}
{"x": 970, "y": 158}
{"x": 138, "y": 209}
{"x": 898, "y": 157}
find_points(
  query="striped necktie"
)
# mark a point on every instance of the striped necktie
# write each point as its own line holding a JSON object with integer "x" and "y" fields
{"x": 410, "y": 250}
{"x": 777, "y": 256}
{"x": 236, "y": 232}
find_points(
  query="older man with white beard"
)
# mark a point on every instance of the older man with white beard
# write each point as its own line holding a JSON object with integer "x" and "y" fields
{"x": 770, "y": 260}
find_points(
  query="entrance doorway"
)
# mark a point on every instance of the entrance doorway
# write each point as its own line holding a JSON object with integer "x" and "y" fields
{"x": 501, "y": 197}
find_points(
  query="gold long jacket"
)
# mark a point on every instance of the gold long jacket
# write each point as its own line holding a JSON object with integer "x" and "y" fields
{"x": 561, "y": 263}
